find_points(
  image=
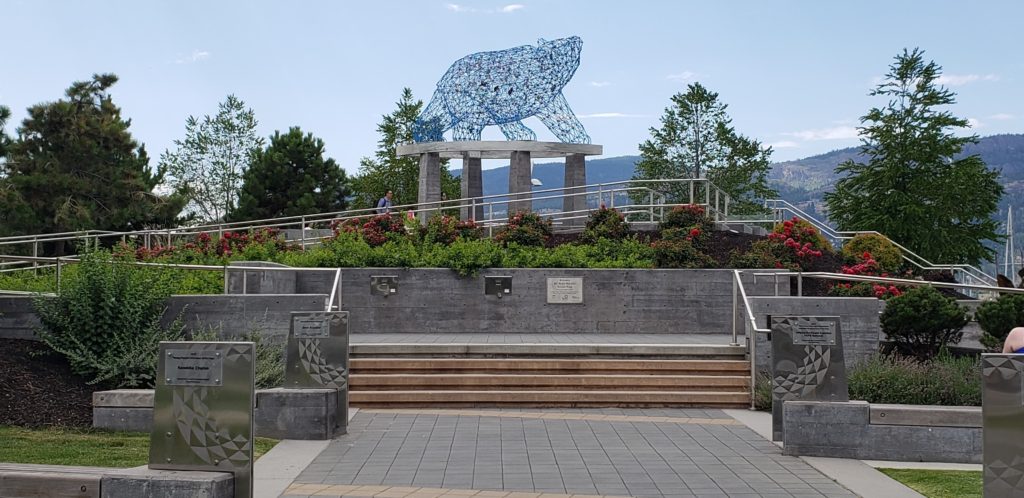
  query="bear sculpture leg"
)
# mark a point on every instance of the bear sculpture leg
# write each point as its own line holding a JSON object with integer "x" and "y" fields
{"x": 558, "y": 117}
{"x": 516, "y": 130}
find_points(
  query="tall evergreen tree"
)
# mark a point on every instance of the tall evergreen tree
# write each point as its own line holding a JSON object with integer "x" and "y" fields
{"x": 5, "y": 114}
{"x": 75, "y": 166}
{"x": 387, "y": 171}
{"x": 697, "y": 140}
{"x": 291, "y": 178}
{"x": 914, "y": 188}
{"x": 208, "y": 163}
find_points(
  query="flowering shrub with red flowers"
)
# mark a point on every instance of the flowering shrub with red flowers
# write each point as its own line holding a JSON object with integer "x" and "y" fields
{"x": 689, "y": 223}
{"x": 375, "y": 231}
{"x": 525, "y": 228}
{"x": 680, "y": 253}
{"x": 605, "y": 224}
{"x": 866, "y": 265}
{"x": 445, "y": 229}
{"x": 793, "y": 244}
{"x": 258, "y": 244}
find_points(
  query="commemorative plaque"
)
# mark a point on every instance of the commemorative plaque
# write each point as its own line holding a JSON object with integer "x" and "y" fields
{"x": 317, "y": 355}
{"x": 203, "y": 409}
{"x": 565, "y": 290}
{"x": 807, "y": 363}
{"x": 1002, "y": 413}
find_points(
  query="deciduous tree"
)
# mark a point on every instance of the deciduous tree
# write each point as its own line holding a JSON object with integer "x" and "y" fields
{"x": 915, "y": 187}
{"x": 208, "y": 163}
{"x": 697, "y": 140}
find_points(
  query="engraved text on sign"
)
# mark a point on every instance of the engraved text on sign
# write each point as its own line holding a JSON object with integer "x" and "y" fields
{"x": 184, "y": 367}
{"x": 311, "y": 327}
{"x": 565, "y": 290}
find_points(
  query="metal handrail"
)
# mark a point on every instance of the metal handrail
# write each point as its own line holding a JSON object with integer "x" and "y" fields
{"x": 737, "y": 285}
{"x": 908, "y": 255}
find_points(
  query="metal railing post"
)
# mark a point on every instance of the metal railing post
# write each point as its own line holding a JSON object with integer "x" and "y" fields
{"x": 717, "y": 209}
{"x": 691, "y": 191}
{"x": 650, "y": 204}
{"x": 800, "y": 284}
{"x": 302, "y": 241}
{"x": 35, "y": 254}
{"x": 58, "y": 275}
{"x": 735, "y": 309}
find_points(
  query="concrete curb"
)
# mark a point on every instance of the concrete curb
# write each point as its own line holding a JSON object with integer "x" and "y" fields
{"x": 855, "y": 475}
{"x": 278, "y": 468}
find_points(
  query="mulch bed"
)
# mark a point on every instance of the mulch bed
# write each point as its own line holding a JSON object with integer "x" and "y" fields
{"x": 37, "y": 388}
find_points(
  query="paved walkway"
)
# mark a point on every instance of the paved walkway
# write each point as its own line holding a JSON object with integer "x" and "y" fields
{"x": 473, "y": 338}
{"x": 556, "y": 453}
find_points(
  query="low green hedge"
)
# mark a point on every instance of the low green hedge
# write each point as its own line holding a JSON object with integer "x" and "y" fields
{"x": 944, "y": 380}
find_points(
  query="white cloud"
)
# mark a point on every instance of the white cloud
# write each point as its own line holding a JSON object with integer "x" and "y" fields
{"x": 683, "y": 76}
{"x": 600, "y": 84}
{"x": 609, "y": 115}
{"x": 785, "y": 144}
{"x": 1002, "y": 116}
{"x": 833, "y": 133}
{"x": 963, "y": 79}
{"x": 197, "y": 55}
{"x": 508, "y": 9}
{"x": 974, "y": 123}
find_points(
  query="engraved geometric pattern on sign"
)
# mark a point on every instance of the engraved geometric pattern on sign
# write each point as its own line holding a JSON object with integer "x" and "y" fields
{"x": 208, "y": 441}
{"x": 316, "y": 366}
{"x": 1006, "y": 368}
{"x": 807, "y": 377}
{"x": 1000, "y": 475}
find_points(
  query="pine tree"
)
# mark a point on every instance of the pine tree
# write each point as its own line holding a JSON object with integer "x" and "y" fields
{"x": 387, "y": 171}
{"x": 697, "y": 140}
{"x": 291, "y": 178}
{"x": 75, "y": 166}
{"x": 915, "y": 188}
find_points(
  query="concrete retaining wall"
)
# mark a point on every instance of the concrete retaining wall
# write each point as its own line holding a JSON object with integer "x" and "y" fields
{"x": 863, "y": 431}
{"x": 614, "y": 301}
{"x": 59, "y": 480}
{"x": 859, "y": 322}
{"x": 313, "y": 414}
{"x": 229, "y": 315}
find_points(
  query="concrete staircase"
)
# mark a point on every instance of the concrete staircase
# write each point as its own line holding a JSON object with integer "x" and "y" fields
{"x": 539, "y": 375}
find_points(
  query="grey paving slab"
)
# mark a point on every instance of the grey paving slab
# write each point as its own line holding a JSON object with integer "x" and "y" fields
{"x": 636, "y": 457}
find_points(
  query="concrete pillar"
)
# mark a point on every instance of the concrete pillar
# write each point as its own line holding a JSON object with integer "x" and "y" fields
{"x": 430, "y": 184}
{"x": 575, "y": 176}
{"x": 472, "y": 186}
{"x": 519, "y": 186}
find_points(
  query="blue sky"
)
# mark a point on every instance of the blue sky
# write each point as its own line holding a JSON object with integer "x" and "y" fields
{"x": 795, "y": 74}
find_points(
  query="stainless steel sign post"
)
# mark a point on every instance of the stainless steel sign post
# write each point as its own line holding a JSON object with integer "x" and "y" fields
{"x": 317, "y": 356}
{"x": 202, "y": 409}
{"x": 1002, "y": 413}
{"x": 807, "y": 363}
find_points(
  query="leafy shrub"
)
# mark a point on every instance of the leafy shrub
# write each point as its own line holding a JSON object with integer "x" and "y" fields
{"x": 106, "y": 321}
{"x": 998, "y": 317}
{"x": 888, "y": 257}
{"x": 944, "y": 380}
{"x": 679, "y": 253}
{"x": 382, "y": 228}
{"x": 798, "y": 243}
{"x": 763, "y": 391}
{"x": 467, "y": 257}
{"x": 922, "y": 321}
{"x": 605, "y": 224}
{"x": 763, "y": 254}
{"x": 444, "y": 229}
{"x": 525, "y": 228}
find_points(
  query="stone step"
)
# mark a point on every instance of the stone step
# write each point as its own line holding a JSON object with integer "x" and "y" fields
{"x": 593, "y": 398}
{"x": 547, "y": 350}
{"x": 547, "y": 366}
{"x": 460, "y": 382}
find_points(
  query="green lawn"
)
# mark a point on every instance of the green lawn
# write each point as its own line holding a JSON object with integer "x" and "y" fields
{"x": 940, "y": 483}
{"x": 90, "y": 448}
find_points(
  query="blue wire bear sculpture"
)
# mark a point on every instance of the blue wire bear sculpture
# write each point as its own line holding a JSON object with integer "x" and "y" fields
{"x": 503, "y": 88}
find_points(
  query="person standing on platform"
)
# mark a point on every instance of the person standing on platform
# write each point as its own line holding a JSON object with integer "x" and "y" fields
{"x": 384, "y": 204}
